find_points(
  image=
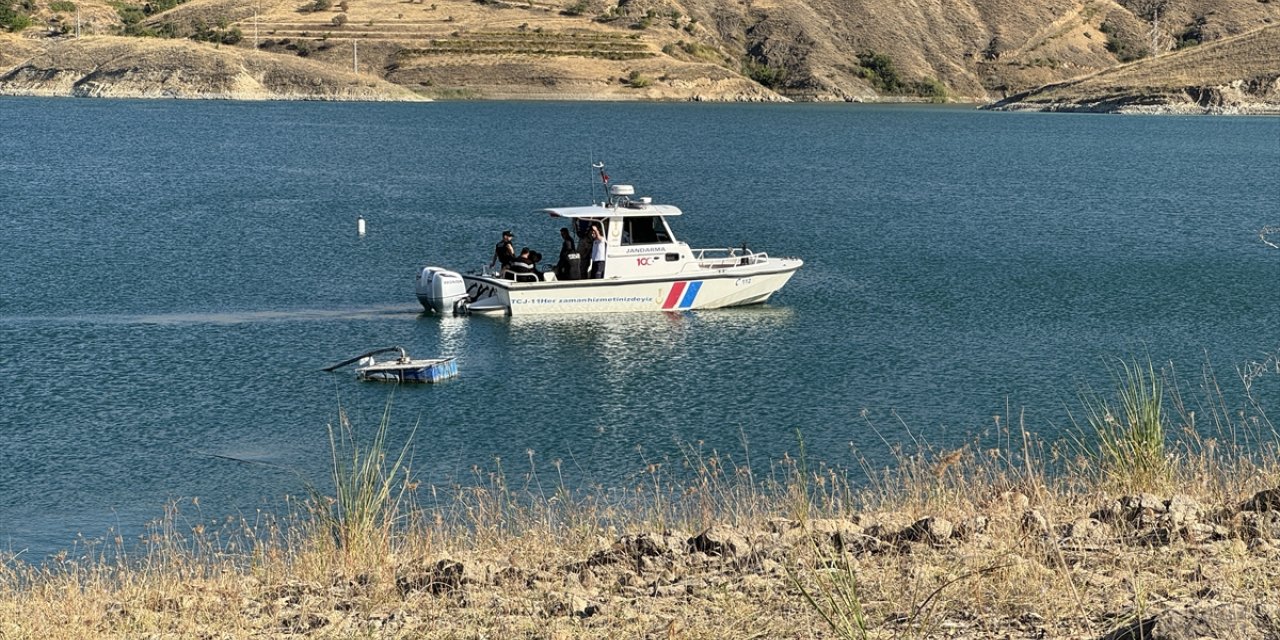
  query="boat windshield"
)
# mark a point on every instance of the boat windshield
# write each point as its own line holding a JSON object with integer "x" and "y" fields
{"x": 645, "y": 230}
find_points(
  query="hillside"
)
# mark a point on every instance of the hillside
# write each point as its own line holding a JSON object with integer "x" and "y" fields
{"x": 957, "y": 50}
{"x": 117, "y": 67}
{"x": 1235, "y": 75}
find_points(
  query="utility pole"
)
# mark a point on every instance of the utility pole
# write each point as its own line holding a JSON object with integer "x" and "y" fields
{"x": 256, "y": 9}
{"x": 355, "y": 56}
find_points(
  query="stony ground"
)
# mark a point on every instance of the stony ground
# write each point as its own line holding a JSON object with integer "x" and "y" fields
{"x": 1128, "y": 566}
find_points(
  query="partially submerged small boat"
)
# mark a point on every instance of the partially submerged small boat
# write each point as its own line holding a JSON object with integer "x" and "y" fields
{"x": 646, "y": 269}
{"x": 400, "y": 369}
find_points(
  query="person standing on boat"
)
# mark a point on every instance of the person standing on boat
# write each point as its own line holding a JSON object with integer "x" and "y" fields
{"x": 583, "y": 228}
{"x": 569, "y": 257}
{"x": 505, "y": 252}
{"x": 598, "y": 247}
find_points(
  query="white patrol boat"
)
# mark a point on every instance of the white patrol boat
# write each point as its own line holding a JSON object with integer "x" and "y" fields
{"x": 646, "y": 269}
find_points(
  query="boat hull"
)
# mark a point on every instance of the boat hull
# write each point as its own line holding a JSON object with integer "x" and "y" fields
{"x": 725, "y": 288}
{"x": 425, "y": 371}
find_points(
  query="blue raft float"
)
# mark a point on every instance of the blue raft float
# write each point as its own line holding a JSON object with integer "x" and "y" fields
{"x": 401, "y": 369}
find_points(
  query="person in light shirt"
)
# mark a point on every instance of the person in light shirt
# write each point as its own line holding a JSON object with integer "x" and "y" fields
{"x": 598, "y": 247}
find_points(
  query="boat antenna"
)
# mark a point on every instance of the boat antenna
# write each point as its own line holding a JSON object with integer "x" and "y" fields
{"x": 591, "y": 182}
{"x": 604, "y": 181}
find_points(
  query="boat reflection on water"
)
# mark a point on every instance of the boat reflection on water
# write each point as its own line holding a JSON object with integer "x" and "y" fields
{"x": 622, "y": 348}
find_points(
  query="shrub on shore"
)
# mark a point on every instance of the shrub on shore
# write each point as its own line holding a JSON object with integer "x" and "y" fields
{"x": 1129, "y": 430}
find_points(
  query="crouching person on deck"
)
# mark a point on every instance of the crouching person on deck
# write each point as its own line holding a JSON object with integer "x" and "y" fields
{"x": 521, "y": 268}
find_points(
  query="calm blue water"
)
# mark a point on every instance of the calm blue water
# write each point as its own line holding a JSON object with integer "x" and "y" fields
{"x": 174, "y": 274}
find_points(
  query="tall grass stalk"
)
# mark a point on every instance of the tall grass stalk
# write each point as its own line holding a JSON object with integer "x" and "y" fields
{"x": 1130, "y": 427}
{"x": 369, "y": 490}
{"x": 834, "y": 596}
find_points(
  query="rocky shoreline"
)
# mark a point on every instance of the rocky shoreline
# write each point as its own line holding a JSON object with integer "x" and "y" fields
{"x": 1021, "y": 565}
{"x": 646, "y": 582}
{"x": 117, "y": 67}
{"x": 1257, "y": 98}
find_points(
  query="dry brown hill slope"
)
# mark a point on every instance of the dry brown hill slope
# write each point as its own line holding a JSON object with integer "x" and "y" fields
{"x": 970, "y": 50}
{"x": 977, "y": 49}
{"x": 118, "y": 67}
{"x": 1235, "y": 75}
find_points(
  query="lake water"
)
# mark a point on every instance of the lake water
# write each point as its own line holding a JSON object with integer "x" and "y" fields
{"x": 175, "y": 274}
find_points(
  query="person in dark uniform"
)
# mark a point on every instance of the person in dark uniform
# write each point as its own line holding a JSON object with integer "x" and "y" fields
{"x": 522, "y": 265}
{"x": 568, "y": 257}
{"x": 534, "y": 259}
{"x": 582, "y": 227}
{"x": 505, "y": 252}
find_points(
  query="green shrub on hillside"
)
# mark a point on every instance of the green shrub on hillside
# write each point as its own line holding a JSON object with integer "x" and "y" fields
{"x": 702, "y": 51}
{"x": 933, "y": 89}
{"x": 130, "y": 14}
{"x": 576, "y": 9}
{"x": 878, "y": 69}
{"x": 636, "y": 80}
{"x": 993, "y": 50}
{"x": 769, "y": 76}
{"x": 221, "y": 33}
{"x": 17, "y": 22}
{"x": 153, "y": 7}
{"x": 1122, "y": 44}
{"x": 1193, "y": 34}
{"x": 62, "y": 6}
{"x": 15, "y": 15}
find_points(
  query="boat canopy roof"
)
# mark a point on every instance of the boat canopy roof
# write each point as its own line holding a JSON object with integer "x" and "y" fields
{"x": 622, "y": 210}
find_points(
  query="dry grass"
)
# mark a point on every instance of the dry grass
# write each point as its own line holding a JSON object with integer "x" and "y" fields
{"x": 992, "y": 539}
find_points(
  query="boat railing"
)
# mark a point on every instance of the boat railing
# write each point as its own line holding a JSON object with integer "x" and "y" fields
{"x": 728, "y": 257}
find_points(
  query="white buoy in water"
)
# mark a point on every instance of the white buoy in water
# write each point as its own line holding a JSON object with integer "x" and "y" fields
{"x": 360, "y": 226}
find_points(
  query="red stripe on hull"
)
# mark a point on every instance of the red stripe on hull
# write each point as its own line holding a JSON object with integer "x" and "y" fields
{"x": 674, "y": 296}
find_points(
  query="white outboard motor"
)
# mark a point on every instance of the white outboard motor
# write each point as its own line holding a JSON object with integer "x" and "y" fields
{"x": 440, "y": 290}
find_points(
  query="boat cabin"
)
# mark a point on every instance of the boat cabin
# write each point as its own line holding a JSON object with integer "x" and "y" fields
{"x": 640, "y": 242}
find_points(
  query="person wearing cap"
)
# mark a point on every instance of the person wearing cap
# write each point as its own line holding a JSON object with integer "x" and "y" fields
{"x": 505, "y": 252}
